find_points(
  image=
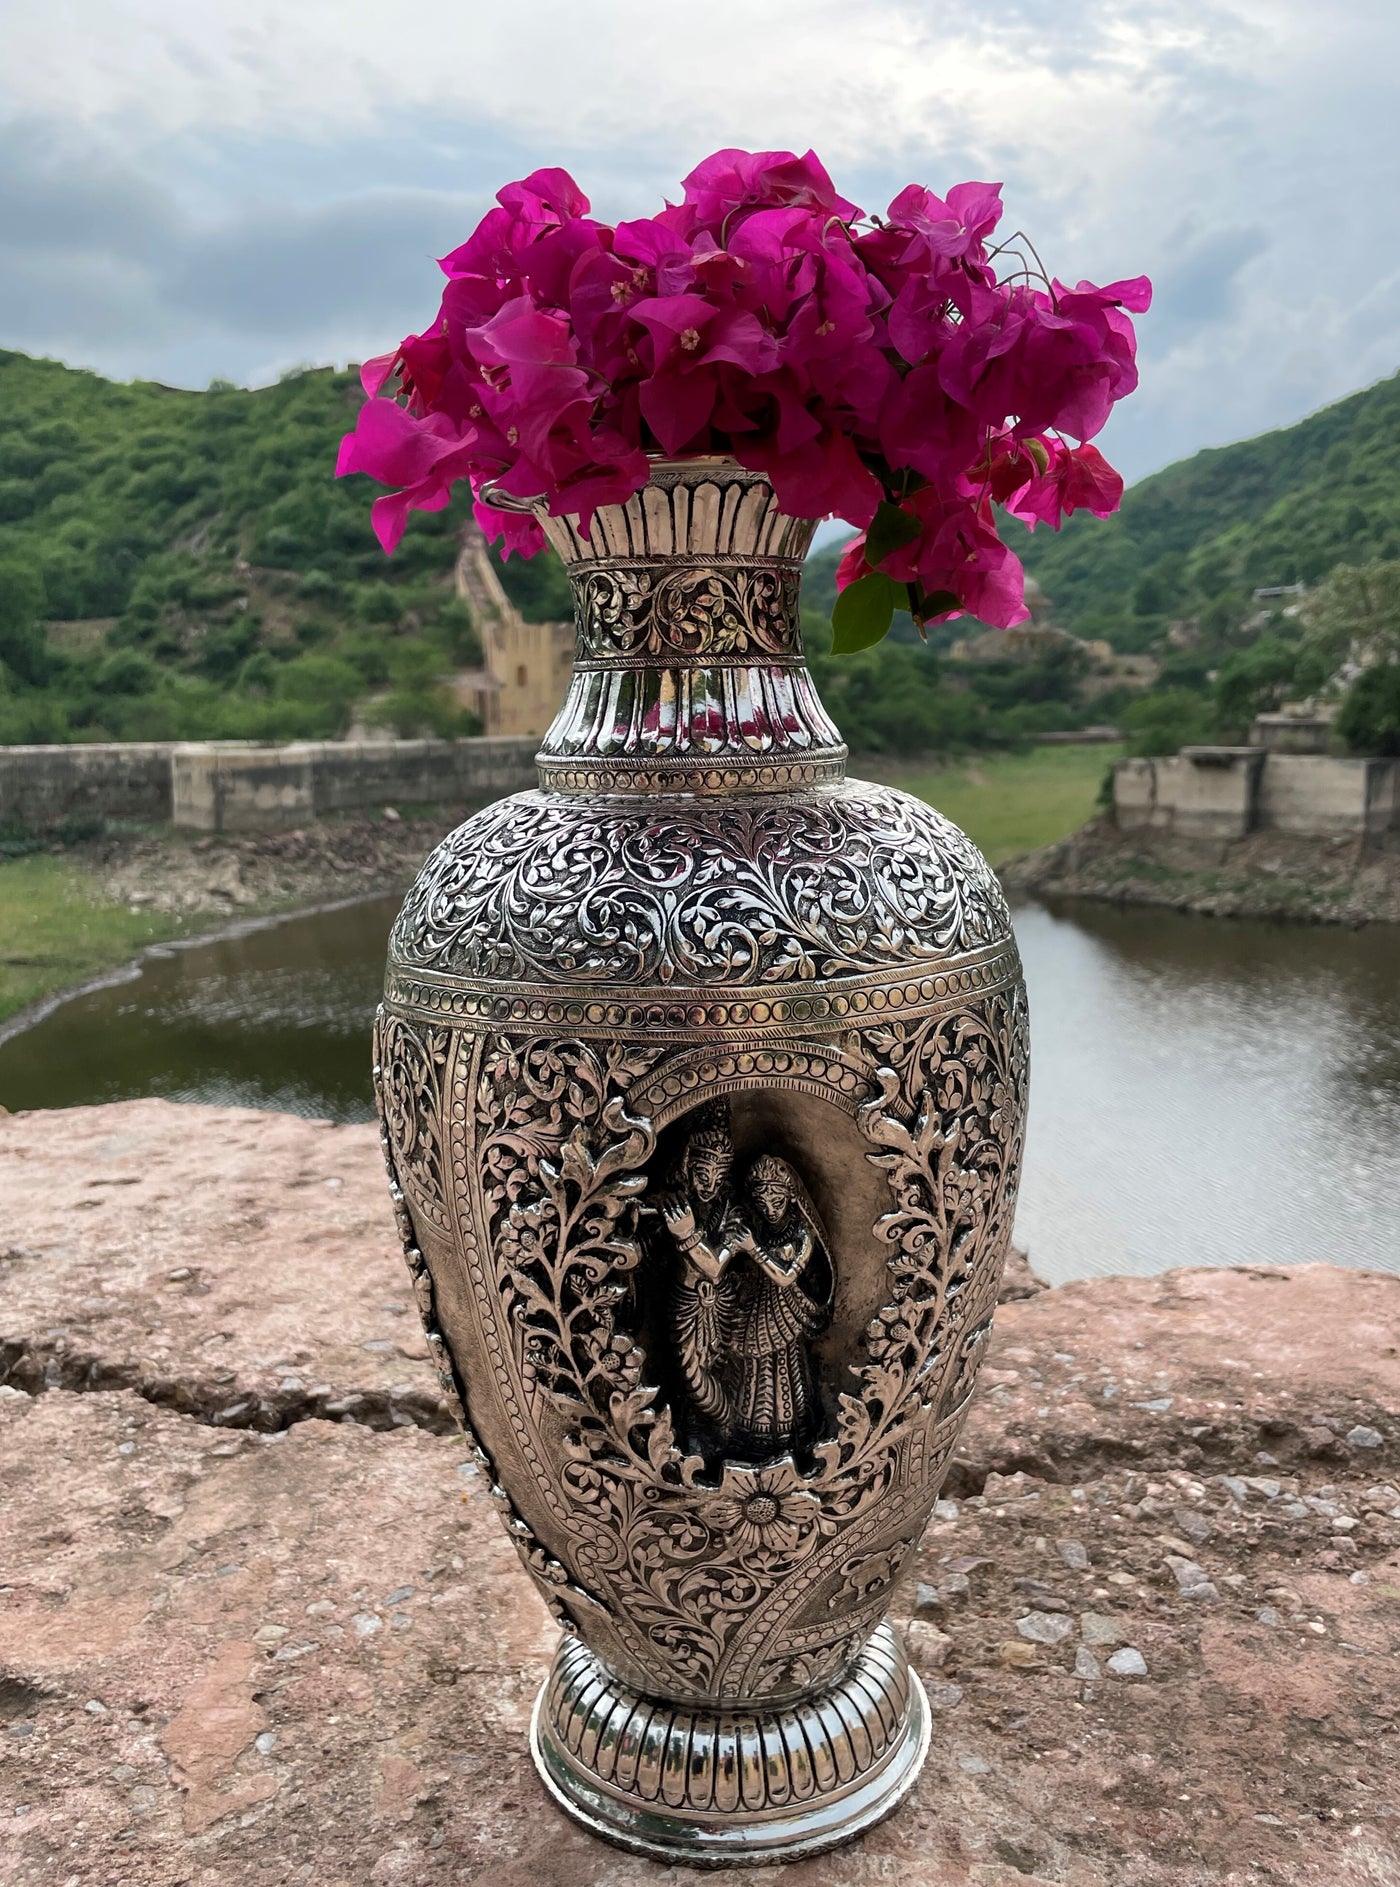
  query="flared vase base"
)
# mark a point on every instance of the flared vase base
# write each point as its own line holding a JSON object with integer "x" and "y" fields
{"x": 731, "y": 1787}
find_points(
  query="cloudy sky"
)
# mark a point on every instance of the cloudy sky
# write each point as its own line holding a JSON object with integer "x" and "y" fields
{"x": 229, "y": 190}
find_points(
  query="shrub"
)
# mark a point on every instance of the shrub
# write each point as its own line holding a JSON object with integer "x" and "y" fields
{"x": 1369, "y": 722}
{"x": 1254, "y": 681}
{"x": 1164, "y": 722}
{"x": 127, "y": 672}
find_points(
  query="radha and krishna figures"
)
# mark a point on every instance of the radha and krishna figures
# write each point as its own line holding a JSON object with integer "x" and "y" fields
{"x": 754, "y": 1288}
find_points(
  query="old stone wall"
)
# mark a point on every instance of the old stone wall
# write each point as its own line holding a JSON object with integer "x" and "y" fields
{"x": 1226, "y": 792}
{"x": 1201, "y": 792}
{"x": 238, "y": 786}
{"x": 42, "y": 786}
{"x": 526, "y": 664}
{"x": 1324, "y": 796}
{"x": 244, "y": 789}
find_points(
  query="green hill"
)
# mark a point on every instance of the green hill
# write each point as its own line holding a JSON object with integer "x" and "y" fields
{"x": 178, "y": 564}
{"x": 1198, "y": 538}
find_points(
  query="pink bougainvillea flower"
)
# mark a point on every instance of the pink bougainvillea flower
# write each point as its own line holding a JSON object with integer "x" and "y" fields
{"x": 425, "y": 456}
{"x": 826, "y": 478}
{"x": 374, "y": 374}
{"x": 732, "y": 181}
{"x": 852, "y": 565}
{"x": 541, "y": 203}
{"x": 870, "y": 368}
{"x": 1070, "y": 478}
{"x": 687, "y": 339}
{"x": 517, "y": 532}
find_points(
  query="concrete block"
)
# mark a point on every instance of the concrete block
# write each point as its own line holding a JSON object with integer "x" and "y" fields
{"x": 1135, "y": 795}
{"x": 1293, "y": 733}
{"x": 1327, "y": 796}
{"x": 241, "y": 787}
{"x": 1212, "y": 791}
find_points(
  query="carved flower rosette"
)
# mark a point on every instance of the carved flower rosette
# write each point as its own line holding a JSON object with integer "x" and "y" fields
{"x": 703, "y": 1088}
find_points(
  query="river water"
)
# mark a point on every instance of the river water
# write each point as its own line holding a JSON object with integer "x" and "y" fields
{"x": 1203, "y": 1092}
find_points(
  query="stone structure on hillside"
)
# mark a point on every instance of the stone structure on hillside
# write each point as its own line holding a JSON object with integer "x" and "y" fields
{"x": 1028, "y": 641}
{"x": 1299, "y": 727}
{"x": 525, "y": 665}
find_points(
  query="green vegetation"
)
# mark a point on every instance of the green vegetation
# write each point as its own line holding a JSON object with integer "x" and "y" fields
{"x": 177, "y": 564}
{"x": 183, "y": 564}
{"x": 1009, "y": 803}
{"x": 57, "y": 929}
{"x": 903, "y": 698}
{"x": 1370, "y": 718}
{"x": 1197, "y": 539}
{"x": 1339, "y": 642}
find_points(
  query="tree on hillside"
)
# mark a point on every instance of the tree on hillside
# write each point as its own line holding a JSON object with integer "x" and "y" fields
{"x": 1354, "y": 617}
{"x": 1165, "y": 721}
{"x": 22, "y": 648}
{"x": 1369, "y": 722}
{"x": 1256, "y": 680}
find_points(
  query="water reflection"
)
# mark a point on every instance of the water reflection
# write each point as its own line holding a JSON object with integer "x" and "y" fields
{"x": 1209, "y": 1093}
{"x": 1203, "y": 1092}
{"x": 278, "y": 1017}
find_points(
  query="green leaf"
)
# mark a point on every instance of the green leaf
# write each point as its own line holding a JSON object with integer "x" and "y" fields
{"x": 1037, "y": 450}
{"x": 864, "y": 611}
{"x": 934, "y": 602}
{"x": 890, "y": 529}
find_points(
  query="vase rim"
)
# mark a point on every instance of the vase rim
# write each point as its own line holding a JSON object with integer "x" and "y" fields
{"x": 498, "y": 500}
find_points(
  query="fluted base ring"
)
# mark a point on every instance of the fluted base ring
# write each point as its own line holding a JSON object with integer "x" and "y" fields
{"x": 727, "y": 1788}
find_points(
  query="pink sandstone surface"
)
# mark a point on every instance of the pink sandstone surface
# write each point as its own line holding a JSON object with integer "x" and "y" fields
{"x": 259, "y": 1622}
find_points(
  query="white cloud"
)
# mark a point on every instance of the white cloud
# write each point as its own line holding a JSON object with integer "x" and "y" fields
{"x": 241, "y": 186}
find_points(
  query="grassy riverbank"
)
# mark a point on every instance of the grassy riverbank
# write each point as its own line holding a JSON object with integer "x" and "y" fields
{"x": 1009, "y": 803}
{"x": 68, "y": 916}
{"x": 57, "y": 928}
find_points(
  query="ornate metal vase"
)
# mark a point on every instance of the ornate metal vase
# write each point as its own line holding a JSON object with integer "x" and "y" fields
{"x": 702, "y": 1072}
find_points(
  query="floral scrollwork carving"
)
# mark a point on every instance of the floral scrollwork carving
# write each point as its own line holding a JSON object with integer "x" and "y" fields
{"x": 388, "y": 1038}
{"x": 711, "y": 611}
{"x": 699, "y": 1566}
{"x": 946, "y": 1125}
{"x": 767, "y": 892}
{"x": 410, "y": 1066}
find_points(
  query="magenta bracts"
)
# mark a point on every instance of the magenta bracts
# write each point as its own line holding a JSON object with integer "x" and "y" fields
{"x": 875, "y": 368}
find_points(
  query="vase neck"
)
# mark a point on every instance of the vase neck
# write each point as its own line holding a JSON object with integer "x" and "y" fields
{"x": 689, "y": 674}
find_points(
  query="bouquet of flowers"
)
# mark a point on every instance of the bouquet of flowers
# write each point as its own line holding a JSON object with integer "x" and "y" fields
{"x": 905, "y": 372}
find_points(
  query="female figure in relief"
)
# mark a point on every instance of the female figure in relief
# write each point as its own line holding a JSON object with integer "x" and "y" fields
{"x": 755, "y": 1288}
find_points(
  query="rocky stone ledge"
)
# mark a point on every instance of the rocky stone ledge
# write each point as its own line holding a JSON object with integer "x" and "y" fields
{"x": 1269, "y": 875}
{"x": 289, "y": 1641}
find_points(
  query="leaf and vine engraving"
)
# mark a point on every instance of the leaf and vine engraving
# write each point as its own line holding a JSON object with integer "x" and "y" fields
{"x": 705, "y": 610}
{"x": 770, "y": 891}
{"x": 699, "y": 1564}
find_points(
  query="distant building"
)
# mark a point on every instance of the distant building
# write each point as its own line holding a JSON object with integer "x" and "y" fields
{"x": 1025, "y": 643}
{"x": 1102, "y": 667}
{"x": 525, "y": 665}
{"x": 1280, "y": 592}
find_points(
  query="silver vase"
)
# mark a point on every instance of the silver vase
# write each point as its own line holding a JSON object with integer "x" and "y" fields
{"x": 702, "y": 1072}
